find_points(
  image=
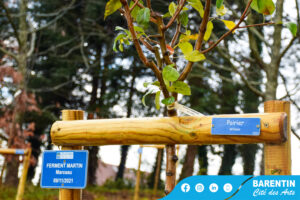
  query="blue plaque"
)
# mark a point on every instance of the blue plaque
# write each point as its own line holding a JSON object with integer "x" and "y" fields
{"x": 235, "y": 126}
{"x": 64, "y": 169}
{"x": 20, "y": 151}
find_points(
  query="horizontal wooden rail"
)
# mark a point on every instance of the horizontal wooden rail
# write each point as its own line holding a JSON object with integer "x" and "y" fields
{"x": 168, "y": 130}
{"x": 14, "y": 151}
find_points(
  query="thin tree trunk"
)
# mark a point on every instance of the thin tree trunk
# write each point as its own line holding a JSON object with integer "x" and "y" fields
{"x": 94, "y": 150}
{"x": 228, "y": 159}
{"x": 203, "y": 160}
{"x": 125, "y": 148}
{"x": 13, "y": 163}
{"x": 188, "y": 165}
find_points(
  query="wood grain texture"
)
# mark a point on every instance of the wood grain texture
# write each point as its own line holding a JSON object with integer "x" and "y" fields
{"x": 168, "y": 130}
{"x": 278, "y": 156}
{"x": 68, "y": 116}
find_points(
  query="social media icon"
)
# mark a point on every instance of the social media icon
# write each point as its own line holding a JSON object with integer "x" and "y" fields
{"x": 227, "y": 187}
{"x": 199, "y": 187}
{"x": 185, "y": 187}
{"x": 213, "y": 187}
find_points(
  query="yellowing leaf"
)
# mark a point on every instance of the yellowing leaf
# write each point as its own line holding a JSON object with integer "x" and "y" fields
{"x": 193, "y": 37}
{"x": 170, "y": 73}
{"x": 222, "y": 10}
{"x": 209, "y": 28}
{"x": 197, "y": 5}
{"x": 266, "y": 7}
{"x": 194, "y": 56}
{"x": 172, "y": 8}
{"x": 185, "y": 47}
{"x": 111, "y": 7}
{"x": 229, "y": 24}
{"x": 157, "y": 97}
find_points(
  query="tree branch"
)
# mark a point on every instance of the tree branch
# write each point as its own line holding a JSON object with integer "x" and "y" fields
{"x": 199, "y": 41}
{"x": 11, "y": 22}
{"x": 244, "y": 15}
{"x": 295, "y": 134}
{"x": 9, "y": 53}
{"x": 32, "y": 41}
{"x": 178, "y": 10}
{"x": 286, "y": 49}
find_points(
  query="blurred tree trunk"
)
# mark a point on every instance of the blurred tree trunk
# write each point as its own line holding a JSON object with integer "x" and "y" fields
{"x": 93, "y": 150}
{"x": 125, "y": 148}
{"x": 203, "y": 160}
{"x": 151, "y": 178}
{"x": 188, "y": 165}
{"x": 17, "y": 140}
{"x": 229, "y": 91}
{"x": 251, "y": 101}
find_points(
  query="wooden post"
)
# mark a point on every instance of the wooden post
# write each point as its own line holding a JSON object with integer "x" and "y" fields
{"x": 138, "y": 177}
{"x": 278, "y": 156}
{"x": 71, "y": 194}
{"x": 2, "y": 171}
{"x": 22, "y": 181}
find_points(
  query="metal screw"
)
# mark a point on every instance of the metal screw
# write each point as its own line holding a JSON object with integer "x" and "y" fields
{"x": 258, "y": 126}
{"x": 213, "y": 126}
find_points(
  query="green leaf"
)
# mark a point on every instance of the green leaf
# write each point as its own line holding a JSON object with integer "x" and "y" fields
{"x": 180, "y": 87}
{"x": 168, "y": 101}
{"x": 156, "y": 83}
{"x": 172, "y": 8}
{"x": 183, "y": 18}
{"x": 209, "y": 28}
{"x": 185, "y": 47}
{"x": 266, "y": 7}
{"x": 111, "y": 7}
{"x": 157, "y": 98}
{"x": 121, "y": 47}
{"x": 194, "y": 56}
{"x": 119, "y": 37}
{"x": 293, "y": 28}
{"x": 136, "y": 9}
{"x": 197, "y": 5}
{"x": 169, "y": 73}
{"x": 144, "y": 97}
{"x": 219, "y": 3}
{"x": 143, "y": 17}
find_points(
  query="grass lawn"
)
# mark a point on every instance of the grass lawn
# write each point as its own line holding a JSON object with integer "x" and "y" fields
{"x": 90, "y": 193}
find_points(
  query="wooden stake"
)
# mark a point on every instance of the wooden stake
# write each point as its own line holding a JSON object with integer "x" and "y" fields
{"x": 2, "y": 171}
{"x": 168, "y": 130}
{"x": 138, "y": 178}
{"x": 278, "y": 156}
{"x": 22, "y": 181}
{"x": 71, "y": 194}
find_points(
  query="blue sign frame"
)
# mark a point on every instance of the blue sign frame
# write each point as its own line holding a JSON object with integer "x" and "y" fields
{"x": 236, "y": 126}
{"x": 64, "y": 169}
